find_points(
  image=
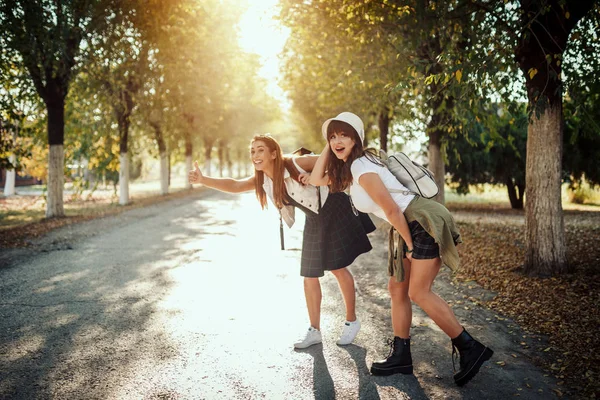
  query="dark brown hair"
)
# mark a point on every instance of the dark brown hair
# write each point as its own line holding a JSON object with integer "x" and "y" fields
{"x": 280, "y": 162}
{"x": 338, "y": 170}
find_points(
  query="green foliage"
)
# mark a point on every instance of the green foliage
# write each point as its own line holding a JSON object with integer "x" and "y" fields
{"x": 492, "y": 150}
{"x": 14, "y": 142}
{"x": 45, "y": 37}
{"x": 581, "y": 149}
{"x": 496, "y": 156}
{"x": 18, "y": 105}
{"x": 330, "y": 65}
{"x": 91, "y": 137}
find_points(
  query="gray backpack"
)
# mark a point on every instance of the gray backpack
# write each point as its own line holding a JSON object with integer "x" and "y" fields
{"x": 410, "y": 174}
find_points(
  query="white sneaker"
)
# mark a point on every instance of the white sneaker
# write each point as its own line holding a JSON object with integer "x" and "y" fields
{"x": 349, "y": 332}
{"x": 313, "y": 336}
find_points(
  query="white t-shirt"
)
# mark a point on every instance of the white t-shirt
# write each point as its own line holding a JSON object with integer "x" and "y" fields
{"x": 361, "y": 199}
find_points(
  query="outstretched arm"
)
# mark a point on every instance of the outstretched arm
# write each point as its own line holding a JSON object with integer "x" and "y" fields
{"x": 375, "y": 188}
{"x": 319, "y": 176}
{"x": 307, "y": 162}
{"x": 223, "y": 184}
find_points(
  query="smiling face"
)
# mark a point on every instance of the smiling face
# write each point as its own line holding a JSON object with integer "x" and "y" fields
{"x": 262, "y": 157}
{"x": 341, "y": 144}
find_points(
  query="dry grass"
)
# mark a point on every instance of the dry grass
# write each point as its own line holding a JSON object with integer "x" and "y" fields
{"x": 22, "y": 217}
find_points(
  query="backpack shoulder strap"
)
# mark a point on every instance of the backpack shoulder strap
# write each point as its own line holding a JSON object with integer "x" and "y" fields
{"x": 288, "y": 164}
{"x": 405, "y": 192}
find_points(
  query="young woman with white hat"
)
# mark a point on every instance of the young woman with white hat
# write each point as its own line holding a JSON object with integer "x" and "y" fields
{"x": 427, "y": 235}
{"x": 284, "y": 181}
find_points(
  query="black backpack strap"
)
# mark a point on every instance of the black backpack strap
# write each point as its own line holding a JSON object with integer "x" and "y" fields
{"x": 281, "y": 231}
{"x": 319, "y": 198}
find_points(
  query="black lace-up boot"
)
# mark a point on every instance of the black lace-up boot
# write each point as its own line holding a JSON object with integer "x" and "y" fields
{"x": 472, "y": 355}
{"x": 398, "y": 361}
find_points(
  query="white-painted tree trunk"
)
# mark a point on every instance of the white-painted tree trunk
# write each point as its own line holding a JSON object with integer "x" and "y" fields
{"x": 85, "y": 163}
{"x": 188, "y": 167}
{"x": 206, "y": 169}
{"x": 9, "y": 184}
{"x": 164, "y": 173}
{"x": 123, "y": 179}
{"x": 56, "y": 181}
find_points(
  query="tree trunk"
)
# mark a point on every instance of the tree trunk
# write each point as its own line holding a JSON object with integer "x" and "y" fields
{"x": 240, "y": 161}
{"x": 436, "y": 163}
{"x": 188, "y": 167}
{"x": 228, "y": 161}
{"x": 123, "y": 109}
{"x": 56, "y": 181}
{"x": 384, "y": 127}
{"x": 539, "y": 54}
{"x": 208, "y": 145}
{"x": 221, "y": 158}
{"x": 123, "y": 179}
{"x": 11, "y": 174}
{"x": 123, "y": 161}
{"x": 164, "y": 162}
{"x": 516, "y": 198}
{"x": 188, "y": 158}
{"x": 56, "y": 156}
{"x": 164, "y": 173}
{"x": 85, "y": 162}
{"x": 544, "y": 223}
{"x": 439, "y": 105}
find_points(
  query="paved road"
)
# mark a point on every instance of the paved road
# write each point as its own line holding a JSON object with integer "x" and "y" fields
{"x": 192, "y": 299}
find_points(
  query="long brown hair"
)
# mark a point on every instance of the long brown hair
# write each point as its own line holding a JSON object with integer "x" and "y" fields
{"x": 280, "y": 163}
{"x": 339, "y": 172}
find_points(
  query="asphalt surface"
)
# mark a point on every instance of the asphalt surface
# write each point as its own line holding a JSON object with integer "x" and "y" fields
{"x": 193, "y": 299}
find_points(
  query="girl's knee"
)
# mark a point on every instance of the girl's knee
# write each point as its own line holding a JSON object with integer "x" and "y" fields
{"x": 341, "y": 273}
{"x": 417, "y": 294}
{"x": 311, "y": 281}
{"x": 398, "y": 290}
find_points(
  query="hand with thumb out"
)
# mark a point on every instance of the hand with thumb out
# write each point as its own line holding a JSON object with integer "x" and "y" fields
{"x": 195, "y": 175}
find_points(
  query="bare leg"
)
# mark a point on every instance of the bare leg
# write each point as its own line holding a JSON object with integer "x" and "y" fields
{"x": 312, "y": 293}
{"x": 422, "y": 275}
{"x": 346, "y": 283}
{"x": 401, "y": 305}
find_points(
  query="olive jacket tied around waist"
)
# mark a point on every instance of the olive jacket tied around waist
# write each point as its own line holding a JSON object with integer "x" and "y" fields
{"x": 437, "y": 222}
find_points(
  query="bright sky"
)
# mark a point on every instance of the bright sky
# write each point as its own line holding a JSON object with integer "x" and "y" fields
{"x": 261, "y": 34}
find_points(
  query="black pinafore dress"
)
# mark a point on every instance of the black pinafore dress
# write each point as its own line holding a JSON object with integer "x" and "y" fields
{"x": 334, "y": 237}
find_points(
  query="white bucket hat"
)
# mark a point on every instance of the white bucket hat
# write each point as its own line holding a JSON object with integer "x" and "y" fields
{"x": 351, "y": 119}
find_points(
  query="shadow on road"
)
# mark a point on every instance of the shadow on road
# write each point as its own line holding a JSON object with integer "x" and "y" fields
{"x": 370, "y": 385}
{"x": 323, "y": 387}
{"x": 80, "y": 322}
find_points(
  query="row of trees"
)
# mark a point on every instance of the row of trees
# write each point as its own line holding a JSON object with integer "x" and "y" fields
{"x": 104, "y": 79}
{"x": 460, "y": 70}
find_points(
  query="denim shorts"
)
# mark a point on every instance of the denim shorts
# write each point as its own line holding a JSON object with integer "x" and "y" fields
{"x": 424, "y": 246}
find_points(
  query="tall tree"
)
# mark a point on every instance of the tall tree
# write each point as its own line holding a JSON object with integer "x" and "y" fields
{"x": 405, "y": 42}
{"x": 545, "y": 29}
{"x": 534, "y": 36}
{"x": 48, "y": 37}
{"x": 120, "y": 66}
